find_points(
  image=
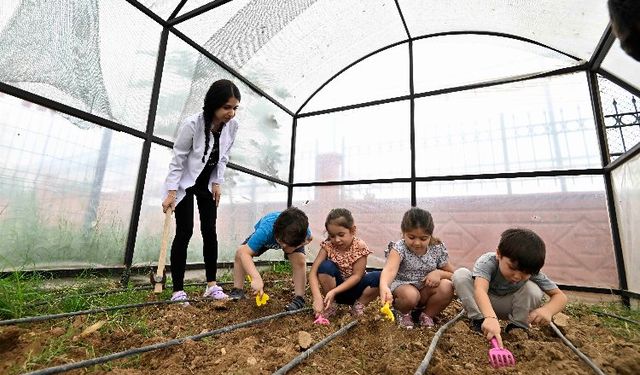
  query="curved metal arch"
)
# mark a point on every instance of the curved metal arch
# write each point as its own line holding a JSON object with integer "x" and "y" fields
{"x": 347, "y": 68}
{"x": 426, "y": 36}
{"x": 498, "y": 34}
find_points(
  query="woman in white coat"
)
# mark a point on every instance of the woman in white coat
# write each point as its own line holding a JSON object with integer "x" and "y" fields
{"x": 200, "y": 156}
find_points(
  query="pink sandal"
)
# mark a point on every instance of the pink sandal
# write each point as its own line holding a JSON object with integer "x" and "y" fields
{"x": 425, "y": 320}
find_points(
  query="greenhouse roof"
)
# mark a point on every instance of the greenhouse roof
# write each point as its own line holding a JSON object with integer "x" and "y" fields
{"x": 292, "y": 48}
{"x": 294, "y": 51}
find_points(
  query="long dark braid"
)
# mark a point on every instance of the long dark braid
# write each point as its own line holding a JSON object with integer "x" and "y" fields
{"x": 207, "y": 135}
{"x": 218, "y": 94}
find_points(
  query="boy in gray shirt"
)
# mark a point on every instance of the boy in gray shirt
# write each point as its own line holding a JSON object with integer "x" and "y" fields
{"x": 508, "y": 284}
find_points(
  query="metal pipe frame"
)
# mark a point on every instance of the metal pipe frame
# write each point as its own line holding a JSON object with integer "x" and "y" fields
{"x": 596, "y": 105}
{"x": 592, "y": 69}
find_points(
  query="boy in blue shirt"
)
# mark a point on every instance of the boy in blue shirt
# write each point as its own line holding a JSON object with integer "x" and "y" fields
{"x": 508, "y": 284}
{"x": 287, "y": 230}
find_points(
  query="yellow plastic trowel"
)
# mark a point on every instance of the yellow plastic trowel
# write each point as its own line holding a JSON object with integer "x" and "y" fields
{"x": 261, "y": 299}
{"x": 386, "y": 311}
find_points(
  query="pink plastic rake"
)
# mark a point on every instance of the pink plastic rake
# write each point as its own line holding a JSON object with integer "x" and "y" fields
{"x": 500, "y": 357}
{"x": 321, "y": 320}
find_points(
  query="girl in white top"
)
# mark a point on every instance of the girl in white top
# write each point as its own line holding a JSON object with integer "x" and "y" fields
{"x": 200, "y": 156}
{"x": 417, "y": 274}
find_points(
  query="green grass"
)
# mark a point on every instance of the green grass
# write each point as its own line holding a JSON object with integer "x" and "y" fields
{"x": 17, "y": 291}
{"x": 19, "y": 295}
{"x": 56, "y": 347}
{"x": 57, "y": 240}
{"x": 281, "y": 268}
{"x": 225, "y": 275}
{"x": 22, "y": 295}
{"x": 622, "y": 328}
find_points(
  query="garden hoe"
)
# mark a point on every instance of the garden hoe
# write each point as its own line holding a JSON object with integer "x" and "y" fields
{"x": 159, "y": 278}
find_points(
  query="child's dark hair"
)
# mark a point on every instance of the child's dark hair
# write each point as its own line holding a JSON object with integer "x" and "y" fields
{"x": 291, "y": 226}
{"x": 417, "y": 218}
{"x": 218, "y": 94}
{"x": 341, "y": 217}
{"x": 524, "y": 248}
{"x": 625, "y": 22}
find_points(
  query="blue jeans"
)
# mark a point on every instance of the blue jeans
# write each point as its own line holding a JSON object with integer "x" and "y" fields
{"x": 370, "y": 279}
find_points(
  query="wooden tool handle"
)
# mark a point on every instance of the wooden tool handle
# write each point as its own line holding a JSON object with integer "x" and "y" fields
{"x": 163, "y": 251}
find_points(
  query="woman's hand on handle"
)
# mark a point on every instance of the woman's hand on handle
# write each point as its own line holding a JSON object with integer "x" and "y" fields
{"x": 169, "y": 201}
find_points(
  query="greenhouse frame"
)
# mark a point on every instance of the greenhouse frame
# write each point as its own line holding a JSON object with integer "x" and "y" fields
{"x": 490, "y": 115}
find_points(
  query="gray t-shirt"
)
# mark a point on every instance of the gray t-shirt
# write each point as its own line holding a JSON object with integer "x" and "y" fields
{"x": 413, "y": 268}
{"x": 487, "y": 267}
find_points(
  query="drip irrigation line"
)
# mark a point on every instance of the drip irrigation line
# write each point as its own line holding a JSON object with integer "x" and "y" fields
{"x": 162, "y": 345}
{"x": 617, "y": 317}
{"x": 575, "y": 350}
{"x": 39, "y": 318}
{"x": 434, "y": 342}
{"x": 297, "y": 360}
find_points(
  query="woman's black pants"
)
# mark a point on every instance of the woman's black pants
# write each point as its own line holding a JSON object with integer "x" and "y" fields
{"x": 184, "y": 229}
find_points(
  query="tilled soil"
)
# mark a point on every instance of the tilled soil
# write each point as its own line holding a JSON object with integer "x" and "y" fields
{"x": 372, "y": 346}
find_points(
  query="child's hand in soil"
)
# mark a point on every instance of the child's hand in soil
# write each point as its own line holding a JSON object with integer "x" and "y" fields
{"x": 331, "y": 295}
{"x": 540, "y": 316}
{"x": 386, "y": 295}
{"x": 318, "y": 305}
{"x": 257, "y": 285}
{"x": 491, "y": 328}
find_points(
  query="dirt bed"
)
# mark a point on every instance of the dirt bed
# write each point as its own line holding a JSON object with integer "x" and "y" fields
{"x": 373, "y": 346}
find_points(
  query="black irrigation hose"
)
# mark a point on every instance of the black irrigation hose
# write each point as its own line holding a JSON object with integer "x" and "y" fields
{"x": 40, "y": 318}
{"x": 162, "y": 345}
{"x": 617, "y": 317}
{"x": 575, "y": 350}
{"x": 432, "y": 348}
{"x": 297, "y": 360}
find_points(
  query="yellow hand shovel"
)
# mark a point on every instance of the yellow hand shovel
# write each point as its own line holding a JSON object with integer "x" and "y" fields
{"x": 386, "y": 311}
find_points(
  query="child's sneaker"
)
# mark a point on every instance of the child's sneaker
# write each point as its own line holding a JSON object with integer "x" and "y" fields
{"x": 476, "y": 325}
{"x": 425, "y": 320}
{"x": 511, "y": 326}
{"x": 357, "y": 309}
{"x": 405, "y": 320}
{"x": 296, "y": 304}
{"x": 180, "y": 296}
{"x": 214, "y": 292}
{"x": 236, "y": 294}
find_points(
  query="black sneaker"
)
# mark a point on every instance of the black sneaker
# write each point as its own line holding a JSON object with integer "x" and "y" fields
{"x": 296, "y": 304}
{"x": 511, "y": 326}
{"x": 236, "y": 294}
{"x": 476, "y": 325}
